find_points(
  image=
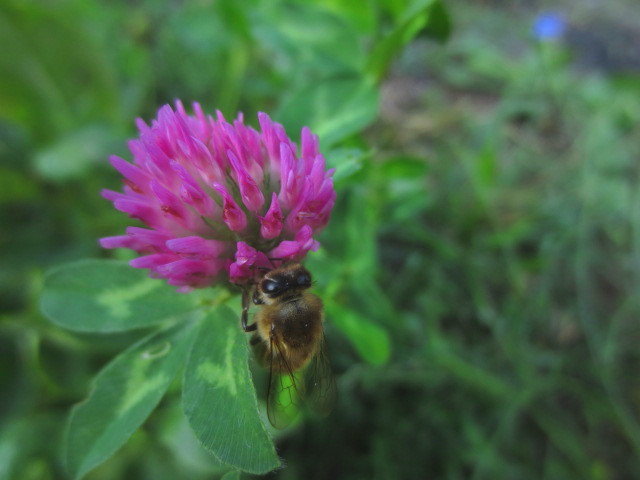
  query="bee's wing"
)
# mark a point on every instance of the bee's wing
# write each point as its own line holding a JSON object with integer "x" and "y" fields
{"x": 321, "y": 391}
{"x": 284, "y": 390}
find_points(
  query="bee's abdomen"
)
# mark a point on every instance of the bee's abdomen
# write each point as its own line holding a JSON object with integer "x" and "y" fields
{"x": 300, "y": 321}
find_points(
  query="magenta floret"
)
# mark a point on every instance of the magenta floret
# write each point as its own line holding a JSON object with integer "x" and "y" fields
{"x": 219, "y": 198}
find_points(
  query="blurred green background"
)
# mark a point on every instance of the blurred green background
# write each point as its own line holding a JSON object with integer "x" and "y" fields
{"x": 482, "y": 267}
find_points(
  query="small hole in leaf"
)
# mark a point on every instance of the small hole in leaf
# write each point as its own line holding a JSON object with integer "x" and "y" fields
{"x": 156, "y": 351}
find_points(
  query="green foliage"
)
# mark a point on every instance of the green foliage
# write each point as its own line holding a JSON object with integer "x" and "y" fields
{"x": 219, "y": 397}
{"x": 178, "y": 438}
{"x": 370, "y": 340}
{"x": 124, "y": 394}
{"x": 416, "y": 16}
{"x": 347, "y": 162}
{"x": 75, "y": 154}
{"x": 109, "y": 296}
{"x": 24, "y": 445}
{"x": 479, "y": 273}
{"x": 334, "y": 109}
{"x": 233, "y": 475}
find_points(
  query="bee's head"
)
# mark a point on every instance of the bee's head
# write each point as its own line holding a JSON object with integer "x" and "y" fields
{"x": 284, "y": 282}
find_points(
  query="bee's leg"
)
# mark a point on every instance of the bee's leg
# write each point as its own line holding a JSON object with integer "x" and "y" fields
{"x": 256, "y": 298}
{"x": 245, "y": 312}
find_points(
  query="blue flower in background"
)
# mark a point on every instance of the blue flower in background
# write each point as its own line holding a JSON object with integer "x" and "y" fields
{"x": 549, "y": 26}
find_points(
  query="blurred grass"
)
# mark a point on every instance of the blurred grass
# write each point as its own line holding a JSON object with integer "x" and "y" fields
{"x": 484, "y": 252}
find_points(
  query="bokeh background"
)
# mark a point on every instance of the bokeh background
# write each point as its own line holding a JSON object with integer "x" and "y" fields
{"x": 482, "y": 268}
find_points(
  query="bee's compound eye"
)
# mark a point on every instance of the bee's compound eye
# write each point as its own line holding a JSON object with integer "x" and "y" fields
{"x": 269, "y": 286}
{"x": 304, "y": 280}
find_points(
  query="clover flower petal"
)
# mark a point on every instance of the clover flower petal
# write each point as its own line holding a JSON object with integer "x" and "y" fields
{"x": 222, "y": 201}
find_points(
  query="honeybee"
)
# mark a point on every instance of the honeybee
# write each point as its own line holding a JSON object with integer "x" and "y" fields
{"x": 289, "y": 338}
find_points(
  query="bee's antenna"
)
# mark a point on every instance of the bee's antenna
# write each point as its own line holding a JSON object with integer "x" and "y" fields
{"x": 264, "y": 269}
{"x": 275, "y": 259}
